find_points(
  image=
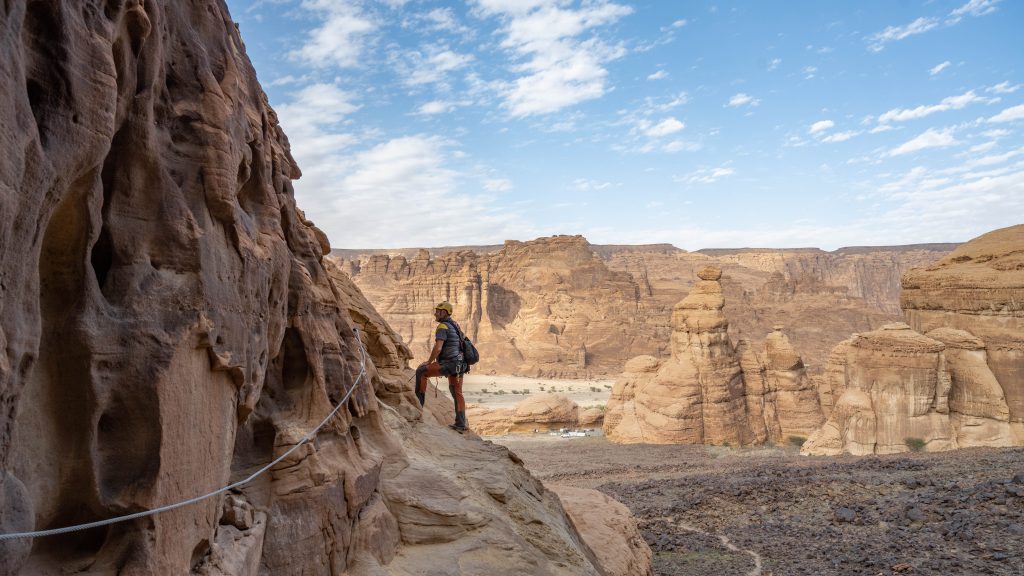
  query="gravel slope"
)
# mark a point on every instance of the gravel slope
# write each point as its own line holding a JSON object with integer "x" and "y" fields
{"x": 720, "y": 511}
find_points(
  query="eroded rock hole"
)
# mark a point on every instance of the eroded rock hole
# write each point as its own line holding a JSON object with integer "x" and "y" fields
{"x": 128, "y": 444}
{"x": 113, "y": 9}
{"x": 200, "y": 551}
{"x": 102, "y": 257}
{"x": 294, "y": 367}
{"x": 254, "y": 447}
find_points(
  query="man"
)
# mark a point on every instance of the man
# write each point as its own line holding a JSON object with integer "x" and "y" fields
{"x": 445, "y": 360}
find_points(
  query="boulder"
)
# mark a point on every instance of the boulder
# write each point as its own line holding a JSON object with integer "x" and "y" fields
{"x": 545, "y": 412}
{"x": 609, "y": 529}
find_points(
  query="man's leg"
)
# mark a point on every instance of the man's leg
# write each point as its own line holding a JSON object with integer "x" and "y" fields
{"x": 423, "y": 372}
{"x": 455, "y": 387}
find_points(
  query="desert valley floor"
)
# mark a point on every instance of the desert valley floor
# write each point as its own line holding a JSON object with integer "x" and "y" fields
{"x": 725, "y": 511}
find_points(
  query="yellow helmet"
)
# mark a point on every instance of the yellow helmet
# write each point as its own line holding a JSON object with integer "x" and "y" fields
{"x": 446, "y": 306}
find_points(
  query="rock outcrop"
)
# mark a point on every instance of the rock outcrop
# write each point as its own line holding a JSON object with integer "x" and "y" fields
{"x": 168, "y": 327}
{"x": 979, "y": 288}
{"x": 708, "y": 390}
{"x": 539, "y": 412}
{"x": 958, "y": 384}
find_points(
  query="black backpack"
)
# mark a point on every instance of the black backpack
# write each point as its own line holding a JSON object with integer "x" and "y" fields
{"x": 469, "y": 351}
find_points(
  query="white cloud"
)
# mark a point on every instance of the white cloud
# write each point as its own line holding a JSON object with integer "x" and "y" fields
{"x": 996, "y": 133}
{"x": 810, "y": 72}
{"x": 396, "y": 186}
{"x": 436, "y": 107}
{"x": 585, "y": 185}
{"x": 939, "y": 68}
{"x": 706, "y": 175}
{"x": 774, "y": 64}
{"x": 556, "y": 67}
{"x": 313, "y": 120}
{"x": 444, "y": 19}
{"x": 882, "y": 128}
{"x": 1003, "y": 88}
{"x": 680, "y": 146}
{"x": 679, "y": 23}
{"x": 742, "y": 99}
{"x": 338, "y": 41}
{"x": 821, "y": 125}
{"x": 432, "y": 65}
{"x": 948, "y": 103}
{"x": 840, "y": 136}
{"x": 974, "y": 8}
{"x": 660, "y": 74}
{"x": 497, "y": 184}
{"x": 877, "y": 42}
{"x": 667, "y": 126}
{"x": 930, "y": 138}
{"x": 1009, "y": 115}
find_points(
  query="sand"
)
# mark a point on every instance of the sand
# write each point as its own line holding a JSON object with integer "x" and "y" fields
{"x": 507, "y": 391}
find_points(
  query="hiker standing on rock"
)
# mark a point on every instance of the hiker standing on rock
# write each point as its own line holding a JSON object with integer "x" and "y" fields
{"x": 446, "y": 359}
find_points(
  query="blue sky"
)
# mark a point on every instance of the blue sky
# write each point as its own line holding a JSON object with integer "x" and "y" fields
{"x": 767, "y": 124}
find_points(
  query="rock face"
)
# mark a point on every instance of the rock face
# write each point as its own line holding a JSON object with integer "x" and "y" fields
{"x": 562, "y": 307}
{"x": 979, "y": 288}
{"x": 710, "y": 391}
{"x": 956, "y": 385}
{"x": 167, "y": 327}
{"x": 902, "y": 388}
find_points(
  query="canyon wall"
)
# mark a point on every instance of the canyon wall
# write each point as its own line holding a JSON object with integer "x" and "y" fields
{"x": 953, "y": 377}
{"x": 561, "y": 307}
{"x": 168, "y": 326}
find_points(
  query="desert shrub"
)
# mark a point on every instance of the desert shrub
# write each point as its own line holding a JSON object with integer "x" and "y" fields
{"x": 526, "y": 390}
{"x": 915, "y": 444}
{"x": 514, "y": 391}
{"x": 797, "y": 441}
{"x": 485, "y": 391}
{"x": 500, "y": 391}
{"x": 608, "y": 386}
{"x": 542, "y": 388}
{"x": 595, "y": 389}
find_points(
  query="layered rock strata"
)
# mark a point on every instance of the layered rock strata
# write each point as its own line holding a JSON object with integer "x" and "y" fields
{"x": 709, "y": 390}
{"x": 903, "y": 390}
{"x": 956, "y": 385}
{"x": 168, "y": 326}
{"x": 562, "y": 307}
{"x": 979, "y": 288}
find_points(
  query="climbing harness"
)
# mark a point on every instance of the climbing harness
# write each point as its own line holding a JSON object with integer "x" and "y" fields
{"x": 309, "y": 436}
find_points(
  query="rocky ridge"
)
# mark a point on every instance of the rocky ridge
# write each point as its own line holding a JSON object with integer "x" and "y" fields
{"x": 562, "y": 307}
{"x": 168, "y": 326}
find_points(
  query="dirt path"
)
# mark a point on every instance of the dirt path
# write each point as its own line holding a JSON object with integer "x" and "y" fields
{"x": 722, "y": 512}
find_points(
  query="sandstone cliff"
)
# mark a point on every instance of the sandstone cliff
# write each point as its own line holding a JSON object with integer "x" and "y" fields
{"x": 958, "y": 383}
{"x": 710, "y": 390}
{"x": 562, "y": 307}
{"x": 168, "y": 327}
{"x": 979, "y": 288}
